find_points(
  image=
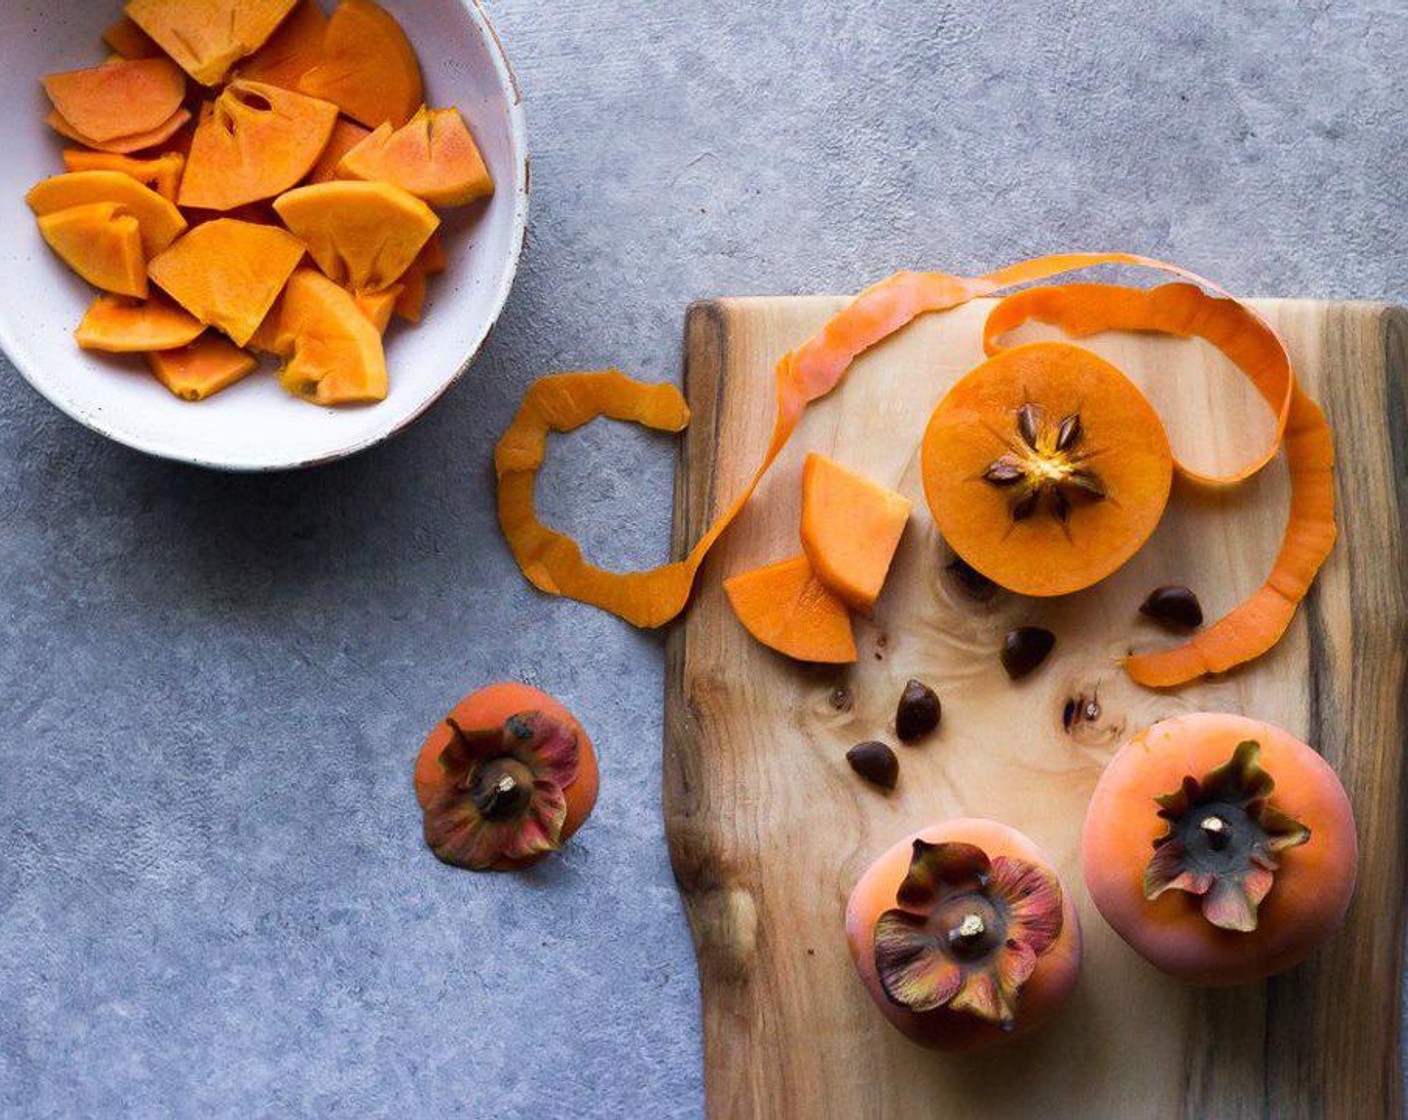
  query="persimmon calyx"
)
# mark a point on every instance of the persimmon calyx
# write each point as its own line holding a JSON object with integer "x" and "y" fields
{"x": 505, "y": 797}
{"x": 1047, "y": 463}
{"x": 1222, "y": 839}
{"x": 967, "y": 932}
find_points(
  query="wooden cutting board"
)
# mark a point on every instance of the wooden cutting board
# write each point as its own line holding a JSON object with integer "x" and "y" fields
{"x": 769, "y": 829}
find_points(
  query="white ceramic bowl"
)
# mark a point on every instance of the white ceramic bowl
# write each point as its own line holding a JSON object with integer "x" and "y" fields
{"x": 254, "y": 425}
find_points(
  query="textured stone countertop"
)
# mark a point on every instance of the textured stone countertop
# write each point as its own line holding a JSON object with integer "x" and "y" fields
{"x": 214, "y": 899}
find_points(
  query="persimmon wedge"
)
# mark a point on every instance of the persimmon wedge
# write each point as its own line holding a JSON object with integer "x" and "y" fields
{"x": 787, "y": 608}
{"x": 368, "y": 66}
{"x": 257, "y": 142}
{"x": 851, "y": 528}
{"x": 161, "y": 173}
{"x": 334, "y": 350}
{"x": 158, "y": 219}
{"x": 1046, "y": 468}
{"x": 129, "y": 326}
{"x": 207, "y": 37}
{"x": 118, "y": 98}
{"x": 433, "y": 156}
{"x": 122, "y": 145}
{"x": 291, "y": 51}
{"x": 363, "y": 235}
{"x": 203, "y": 368}
{"x": 101, "y": 243}
{"x": 227, "y": 273}
{"x": 346, "y": 135}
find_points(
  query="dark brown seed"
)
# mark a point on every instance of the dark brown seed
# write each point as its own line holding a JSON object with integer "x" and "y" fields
{"x": 918, "y": 713}
{"x": 1029, "y": 424}
{"x": 1175, "y": 607}
{"x": 1060, "y": 505}
{"x": 1086, "y": 480}
{"x": 876, "y": 763}
{"x": 1069, "y": 433}
{"x": 1005, "y": 471}
{"x": 1026, "y": 505}
{"x": 1025, "y": 648}
{"x": 973, "y": 583}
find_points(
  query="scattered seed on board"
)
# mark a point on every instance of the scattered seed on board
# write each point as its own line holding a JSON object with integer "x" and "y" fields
{"x": 918, "y": 713}
{"x": 876, "y": 763}
{"x": 1025, "y": 648}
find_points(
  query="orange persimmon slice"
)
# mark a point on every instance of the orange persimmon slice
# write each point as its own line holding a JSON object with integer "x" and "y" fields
{"x": 787, "y": 608}
{"x": 118, "y": 98}
{"x": 122, "y": 145}
{"x": 130, "y": 326}
{"x": 1181, "y": 310}
{"x": 161, "y": 173}
{"x": 1046, "y": 468}
{"x": 203, "y": 368}
{"x": 130, "y": 41}
{"x": 368, "y": 66}
{"x": 433, "y": 156}
{"x": 257, "y": 142}
{"x": 207, "y": 37}
{"x": 291, "y": 51}
{"x": 102, "y": 243}
{"x": 346, "y": 135}
{"x": 851, "y": 528}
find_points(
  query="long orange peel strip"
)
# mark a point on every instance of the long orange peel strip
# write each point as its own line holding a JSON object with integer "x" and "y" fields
{"x": 554, "y": 563}
{"x": 1257, "y": 624}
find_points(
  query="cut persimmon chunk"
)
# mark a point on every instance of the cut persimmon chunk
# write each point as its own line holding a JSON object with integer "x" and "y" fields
{"x": 787, "y": 608}
{"x": 335, "y": 351}
{"x": 433, "y": 156}
{"x": 122, "y": 145}
{"x": 414, "y": 282}
{"x": 291, "y": 51}
{"x": 131, "y": 326}
{"x": 161, "y": 173}
{"x": 159, "y": 221}
{"x": 1046, "y": 468}
{"x": 362, "y": 235}
{"x": 227, "y": 273}
{"x": 207, "y": 37}
{"x": 130, "y": 41}
{"x": 368, "y": 66}
{"x": 118, "y": 98}
{"x": 203, "y": 368}
{"x": 851, "y": 528}
{"x": 257, "y": 141}
{"x": 101, "y": 243}
{"x": 346, "y": 135}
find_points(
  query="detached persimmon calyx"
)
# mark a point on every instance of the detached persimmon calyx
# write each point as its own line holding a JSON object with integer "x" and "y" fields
{"x": 1048, "y": 464}
{"x": 504, "y": 794}
{"x": 1222, "y": 839}
{"x": 967, "y": 932}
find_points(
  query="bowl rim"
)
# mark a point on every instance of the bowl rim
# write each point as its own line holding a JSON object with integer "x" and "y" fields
{"x": 518, "y": 132}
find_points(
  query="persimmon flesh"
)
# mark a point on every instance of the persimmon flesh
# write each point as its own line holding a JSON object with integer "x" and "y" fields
{"x": 964, "y": 935}
{"x": 1221, "y": 848}
{"x": 368, "y": 66}
{"x": 202, "y": 369}
{"x": 788, "y": 609}
{"x": 129, "y": 326}
{"x": 1046, "y": 468}
{"x": 438, "y": 787}
{"x": 851, "y": 528}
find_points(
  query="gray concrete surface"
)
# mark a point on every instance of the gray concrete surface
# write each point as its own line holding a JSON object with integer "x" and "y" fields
{"x": 213, "y": 896}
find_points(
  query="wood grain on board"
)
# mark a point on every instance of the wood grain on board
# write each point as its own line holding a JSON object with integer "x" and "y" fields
{"x": 769, "y": 829}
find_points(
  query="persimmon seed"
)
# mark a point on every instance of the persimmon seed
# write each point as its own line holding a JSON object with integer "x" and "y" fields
{"x": 918, "y": 712}
{"x": 1025, "y": 648}
{"x": 1173, "y": 606}
{"x": 876, "y": 763}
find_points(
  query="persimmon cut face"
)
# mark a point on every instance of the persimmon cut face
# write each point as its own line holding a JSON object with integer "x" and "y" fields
{"x": 101, "y": 243}
{"x": 1046, "y": 468}
{"x": 1222, "y": 839}
{"x": 334, "y": 350}
{"x": 207, "y": 37}
{"x": 966, "y": 932}
{"x": 122, "y": 145}
{"x": 433, "y": 156}
{"x": 161, "y": 173}
{"x": 203, "y": 368}
{"x": 158, "y": 219}
{"x": 291, "y": 51}
{"x": 118, "y": 98}
{"x": 367, "y": 66}
{"x": 257, "y": 141}
{"x": 788, "y": 609}
{"x": 501, "y": 794}
{"x": 129, "y": 326}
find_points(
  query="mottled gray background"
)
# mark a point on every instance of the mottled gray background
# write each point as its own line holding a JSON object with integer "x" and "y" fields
{"x": 213, "y": 895}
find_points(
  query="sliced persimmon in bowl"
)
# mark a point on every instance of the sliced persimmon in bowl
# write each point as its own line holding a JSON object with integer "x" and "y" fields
{"x": 1046, "y": 468}
{"x": 433, "y": 156}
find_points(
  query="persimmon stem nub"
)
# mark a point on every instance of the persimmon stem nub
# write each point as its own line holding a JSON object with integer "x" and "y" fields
{"x": 1216, "y": 831}
{"x": 970, "y": 929}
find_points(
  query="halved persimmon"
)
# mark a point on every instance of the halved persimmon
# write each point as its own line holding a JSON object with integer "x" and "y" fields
{"x": 130, "y": 326}
{"x": 964, "y": 935}
{"x": 1221, "y": 848}
{"x": 433, "y": 156}
{"x": 207, "y": 37}
{"x": 851, "y": 528}
{"x": 1046, "y": 468}
{"x": 505, "y": 779}
{"x": 202, "y": 369}
{"x": 368, "y": 66}
{"x": 258, "y": 141}
{"x": 787, "y": 608}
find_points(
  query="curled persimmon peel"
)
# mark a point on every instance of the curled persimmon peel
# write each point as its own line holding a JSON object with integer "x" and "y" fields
{"x": 554, "y": 563}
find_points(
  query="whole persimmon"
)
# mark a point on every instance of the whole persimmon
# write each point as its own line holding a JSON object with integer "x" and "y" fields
{"x": 964, "y": 935}
{"x": 505, "y": 779}
{"x": 1221, "y": 848}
